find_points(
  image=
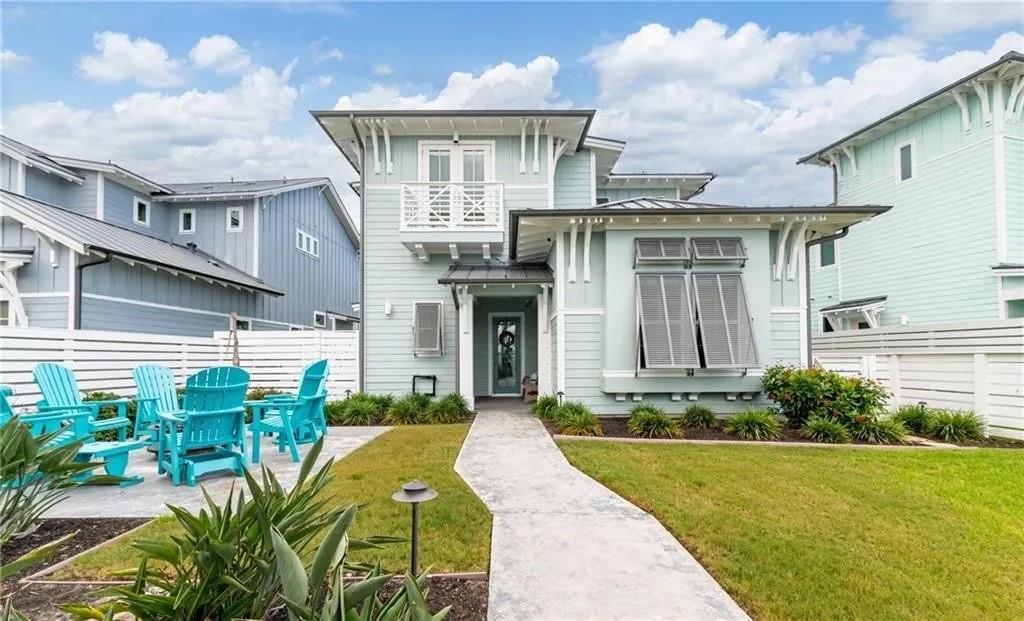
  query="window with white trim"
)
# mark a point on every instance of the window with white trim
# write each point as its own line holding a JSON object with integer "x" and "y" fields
{"x": 427, "y": 318}
{"x": 307, "y": 243}
{"x": 320, "y": 319}
{"x": 827, "y": 253}
{"x": 5, "y": 313}
{"x": 906, "y": 161}
{"x": 140, "y": 212}
{"x": 726, "y": 327}
{"x": 668, "y": 338}
{"x": 243, "y": 324}
{"x": 187, "y": 220}
{"x": 234, "y": 219}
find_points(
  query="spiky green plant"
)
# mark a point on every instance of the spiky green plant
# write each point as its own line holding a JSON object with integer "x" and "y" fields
{"x": 544, "y": 407}
{"x": 878, "y": 430}
{"x": 753, "y": 424}
{"x": 956, "y": 426}
{"x": 698, "y": 416}
{"x": 383, "y": 403}
{"x": 827, "y": 430}
{"x": 915, "y": 417}
{"x": 361, "y": 411}
{"x": 648, "y": 421}
{"x": 409, "y": 410}
{"x": 451, "y": 408}
{"x": 576, "y": 419}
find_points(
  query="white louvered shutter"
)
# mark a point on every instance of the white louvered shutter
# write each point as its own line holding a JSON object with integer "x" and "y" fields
{"x": 708, "y": 248}
{"x": 426, "y": 328}
{"x": 658, "y": 249}
{"x": 725, "y": 326}
{"x": 666, "y": 322}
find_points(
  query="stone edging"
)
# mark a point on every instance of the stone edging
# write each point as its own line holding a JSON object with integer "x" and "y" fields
{"x": 924, "y": 444}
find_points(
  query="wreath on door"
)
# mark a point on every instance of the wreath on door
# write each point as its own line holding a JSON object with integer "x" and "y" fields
{"x": 506, "y": 339}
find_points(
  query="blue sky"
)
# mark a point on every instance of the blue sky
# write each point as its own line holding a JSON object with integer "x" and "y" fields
{"x": 687, "y": 84}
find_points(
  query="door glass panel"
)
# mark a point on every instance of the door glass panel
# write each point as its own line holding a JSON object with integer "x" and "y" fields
{"x": 473, "y": 189}
{"x": 506, "y": 356}
{"x": 439, "y": 197}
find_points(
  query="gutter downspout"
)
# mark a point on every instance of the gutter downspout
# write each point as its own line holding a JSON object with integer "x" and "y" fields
{"x": 362, "y": 253}
{"x": 78, "y": 287}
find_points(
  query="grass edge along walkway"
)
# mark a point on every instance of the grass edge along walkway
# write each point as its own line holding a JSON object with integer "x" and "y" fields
{"x": 455, "y": 528}
{"x": 803, "y": 533}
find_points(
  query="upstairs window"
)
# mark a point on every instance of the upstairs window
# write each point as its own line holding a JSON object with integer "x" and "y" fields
{"x": 140, "y": 212}
{"x": 187, "y": 221}
{"x": 656, "y": 250}
{"x": 827, "y": 253}
{"x": 234, "y": 219}
{"x": 726, "y": 329}
{"x": 668, "y": 339}
{"x": 427, "y": 318}
{"x": 243, "y": 324}
{"x": 603, "y": 200}
{"x": 320, "y": 319}
{"x": 307, "y": 244}
{"x": 906, "y": 161}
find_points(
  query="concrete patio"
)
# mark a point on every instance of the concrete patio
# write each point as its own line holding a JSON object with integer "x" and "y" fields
{"x": 564, "y": 546}
{"x": 151, "y": 497}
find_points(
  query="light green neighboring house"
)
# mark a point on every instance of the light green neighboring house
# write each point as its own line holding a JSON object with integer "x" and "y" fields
{"x": 952, "y": 249}
{"x": 500, "y": 244}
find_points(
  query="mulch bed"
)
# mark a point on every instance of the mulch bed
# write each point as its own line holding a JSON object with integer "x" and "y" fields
{"x": 1006, "y": 443}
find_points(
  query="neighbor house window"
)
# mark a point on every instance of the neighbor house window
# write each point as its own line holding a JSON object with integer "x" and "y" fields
{"x": 319, "y": 319}
{"x": 307, "y": 243}
{"x": 906, "y": 161}
{"x": 187, "y": 220}
{"x": 243, "y": 324}
{"x": 234, "y": 219}
{"x": 827, "y": 253}
{"x": 603, "y": 200}
{"x": 668, "y": 339}
{"x": 426, "y": 328}
{"x": 826, "y": 325}
{"x": 141, "y": 212}
{"x": 5, "y": 313}
{"x": 726, "y": 330}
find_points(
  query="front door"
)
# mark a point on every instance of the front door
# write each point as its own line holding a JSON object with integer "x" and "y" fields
{"x": 506, "y": 356}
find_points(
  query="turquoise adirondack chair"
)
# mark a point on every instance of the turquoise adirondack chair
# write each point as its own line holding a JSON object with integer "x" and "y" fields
{"x": 156, "y": 394}
{"x": 209, "y": 434}
{"x": 75, "y": 426}
{"x": 295, "y": 418}
{"x": 60, "y": 393}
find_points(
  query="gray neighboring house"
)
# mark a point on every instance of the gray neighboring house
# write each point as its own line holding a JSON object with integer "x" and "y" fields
{"x": 92, "y": 245}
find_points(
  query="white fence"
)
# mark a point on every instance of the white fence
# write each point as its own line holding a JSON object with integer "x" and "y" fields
{"x": 968, "y": 366}
{"x": 105, "y": 360}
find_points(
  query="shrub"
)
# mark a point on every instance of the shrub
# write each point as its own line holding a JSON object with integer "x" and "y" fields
{"x": 544, "y": 407}
{"x": 360, "y": 411}
{"x": 260, "y": 393}
{"x": 110, "y": 411}
{"x": 956, "y": 426}
{"x": 914, "y": 417}
{"x": 803, "y": 393}
{"x": 878, "y": 430}
{"x": 451, "y": 408}
{"x": 827, "y": 430}
{"x": 333, "y": 411}
{"x": 648, "y": 421}
{"x": 409, "y": 410}
{"x": 576, "y": 419}
{"x": 383, "y": 403}
{"x": 753, "y": 424}
{"x": 699, "y": 416}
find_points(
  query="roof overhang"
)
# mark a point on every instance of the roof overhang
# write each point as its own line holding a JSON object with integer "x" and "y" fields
{"x": 688, "y": 184}
{"x": 515, "y": 274}
{"x": 14, "y": 150}
{"x": 867, "y": 309}
{"x": 606, "y": 153}
{"x": 1008, "y": 269}
{"x": 1010, "y": 65}
{"x": 115, "y": 172}
{"x": 350, "y": 129}
{"x": 532, "y": 230}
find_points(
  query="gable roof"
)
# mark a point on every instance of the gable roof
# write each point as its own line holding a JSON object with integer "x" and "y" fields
{"x": 30, "y": 156}
{"x": 117, "y": 173}
{"x": 906, "y": 114}
{"x": 83, "y": 234}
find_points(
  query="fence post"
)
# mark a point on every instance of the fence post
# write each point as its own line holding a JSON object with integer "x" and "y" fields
{"x": 981, "y": 386}
{"x": 895, "y": 383}
{"x": 867, "y": 365}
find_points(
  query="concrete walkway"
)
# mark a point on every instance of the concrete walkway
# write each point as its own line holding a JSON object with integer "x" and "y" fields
{"x": 565, "y": 547}
{"x": 151, "y": 497}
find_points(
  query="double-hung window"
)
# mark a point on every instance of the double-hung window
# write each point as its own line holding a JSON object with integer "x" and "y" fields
{"x": 427, "y": 318}
{"x": 727, "y": 336}
{"x": 668, "y": 339}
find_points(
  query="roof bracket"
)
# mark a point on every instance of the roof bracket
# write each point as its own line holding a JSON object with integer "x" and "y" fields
{"x": 981, "y": 89}
{"x": 572, "y": 250}
{"x": 1015, "y": 103}
{"x": 522, "y": 146}
{"x": 780, "y": 250}
{"x": 486, "y": 250}
{"x": 965, "y": 110}
{"x": 536, "y": 145}
{"x": 376, "y": 150}
{"x": 851, "y": 154}
{"x": 586, "y": 250}
{"x": 388, "y": 164}
{"x": 453, "y": 249}
{"x": 421, "y": 252}
{"x": 796, "y": 250}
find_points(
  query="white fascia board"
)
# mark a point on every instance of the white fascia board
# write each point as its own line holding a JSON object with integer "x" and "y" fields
{"x": 117, "y": 173}
{"x": 57, "y": 235}
{"x": 32, "y": 162}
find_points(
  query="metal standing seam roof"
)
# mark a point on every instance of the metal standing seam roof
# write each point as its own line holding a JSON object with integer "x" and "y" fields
{"x": 857, "y": 303}
{"x": 76, "y": 230}
{"x": 517, "y": 273}
{"x": 236, "y": 187}
{"x": 38, "y": 158}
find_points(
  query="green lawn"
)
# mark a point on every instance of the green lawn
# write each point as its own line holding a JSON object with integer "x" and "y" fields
{"x": 806, "y": 533}
{"x": 455, "y": 528}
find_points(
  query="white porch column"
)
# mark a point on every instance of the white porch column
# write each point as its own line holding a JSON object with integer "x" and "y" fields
{"x": 466, "y": 345}
{"x": 543, "y": 344}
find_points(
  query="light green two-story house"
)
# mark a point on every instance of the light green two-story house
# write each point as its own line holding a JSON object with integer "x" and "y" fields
{"x": 500, "y": 245}
{"x": 952, "y": 249}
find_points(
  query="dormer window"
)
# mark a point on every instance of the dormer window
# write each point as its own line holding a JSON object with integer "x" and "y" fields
{"x": 140, "y": 212}
{"x": 234, "y": 219}
{"x": 187, "y": 221}
{"x": 906, "y": 161}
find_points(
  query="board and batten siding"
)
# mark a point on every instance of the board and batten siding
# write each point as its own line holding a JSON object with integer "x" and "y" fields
{"x": 397, "y": 277}
{"x": 211, "y": 230}
{"x": 47, "y": 271}
{"x": 328, "y": 283}
{"x": 45, "y": 187}
{"x": 119, "y": 206}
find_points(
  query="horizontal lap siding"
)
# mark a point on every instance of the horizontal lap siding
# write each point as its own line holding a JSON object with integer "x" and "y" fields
{"x": 784, "y": 341}
{"x": 583, "y": 359}
{"x": 395, "y": 275}
{"x": 47, "y": 312}
{"x": 1014, "y": 199}
{"x": 573, "y": 180}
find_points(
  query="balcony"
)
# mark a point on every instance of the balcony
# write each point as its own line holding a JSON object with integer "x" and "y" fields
{"x": 452, "y": 218}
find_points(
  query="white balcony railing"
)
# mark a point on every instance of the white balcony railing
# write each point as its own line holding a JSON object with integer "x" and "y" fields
{"x": 452, "y": 206}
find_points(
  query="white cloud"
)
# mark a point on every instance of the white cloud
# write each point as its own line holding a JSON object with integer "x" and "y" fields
{"x": 9, "y": 59}
{"x": 502, "y": 86}
{"x": 382, "y": 69}
{"x": 120, "y": 58}
{"x": 316, "y": 83}
{"x": 680, "y": 119}
{"x": 220, "y": 53}
{"x": 331, "y": 54}
{"x": 939, "y": 17}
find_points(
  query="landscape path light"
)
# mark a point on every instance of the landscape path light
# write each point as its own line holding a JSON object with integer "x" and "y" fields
{"x": 413, "y": 493}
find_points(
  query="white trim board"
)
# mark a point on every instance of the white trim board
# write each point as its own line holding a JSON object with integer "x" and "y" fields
{"x": 198, "y": 311}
